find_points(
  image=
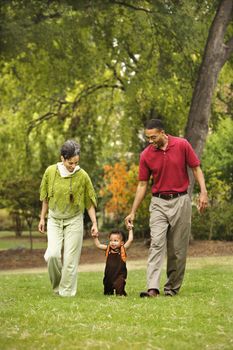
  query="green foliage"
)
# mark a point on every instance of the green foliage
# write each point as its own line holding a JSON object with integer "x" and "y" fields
{"x": 32, "y": 317}
{"x": 217, "y": 163}
{"x": 215, "y": 223}
{"x": 217, "y": 159}
{"x": 95, "y": 71}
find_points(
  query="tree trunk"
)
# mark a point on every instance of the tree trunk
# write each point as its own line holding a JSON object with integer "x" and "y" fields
{"x": 216, "y": 53}
{"x": 18, "y": 225}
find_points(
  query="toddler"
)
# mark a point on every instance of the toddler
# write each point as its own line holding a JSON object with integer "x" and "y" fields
{"x": 115, "y": 270}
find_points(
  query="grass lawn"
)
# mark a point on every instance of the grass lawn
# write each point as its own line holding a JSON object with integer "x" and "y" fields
{"x": 201, "y": 317}
{"x": 8, "y": 240}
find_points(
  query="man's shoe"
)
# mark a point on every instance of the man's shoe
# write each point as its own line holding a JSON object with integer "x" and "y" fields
{"x": 151, "y": 293}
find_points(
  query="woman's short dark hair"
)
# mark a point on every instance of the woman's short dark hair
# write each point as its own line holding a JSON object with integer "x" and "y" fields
{"x": 70, "y": 149}
{"x": 118, "y": 232}
{"x": 155, "y": 124}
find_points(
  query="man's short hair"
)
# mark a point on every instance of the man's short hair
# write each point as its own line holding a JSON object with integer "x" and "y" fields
{"x": 155, "y": 124}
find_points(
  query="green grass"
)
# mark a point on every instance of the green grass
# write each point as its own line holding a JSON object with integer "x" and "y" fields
{"x": 8, "y": 240}
{"x": 199, "y": 318}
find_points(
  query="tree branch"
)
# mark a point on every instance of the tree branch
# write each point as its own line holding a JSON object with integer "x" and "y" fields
{"x": 40, "y": 120}
{"x": 131, "y": 6}
{"x": 92, "y": 89}
{"x": 83, "y": 94}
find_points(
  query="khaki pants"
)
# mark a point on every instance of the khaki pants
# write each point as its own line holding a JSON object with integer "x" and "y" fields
{"x": 67, "y": 233}
{"x": 170, "y": 223}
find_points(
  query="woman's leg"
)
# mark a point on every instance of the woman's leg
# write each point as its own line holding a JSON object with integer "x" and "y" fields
{"x": 73, "y": 238}
{"x": 53, "y": 252}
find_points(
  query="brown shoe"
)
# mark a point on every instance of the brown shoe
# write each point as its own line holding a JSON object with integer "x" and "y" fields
{"x": 151, "y": 293}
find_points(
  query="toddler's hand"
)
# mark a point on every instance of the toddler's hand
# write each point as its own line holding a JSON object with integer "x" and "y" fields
{"x": 95, "y": 234}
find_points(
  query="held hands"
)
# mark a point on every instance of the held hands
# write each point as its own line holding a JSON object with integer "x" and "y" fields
{"x": 129, "y": 221}
{"x": 94, "y": 230}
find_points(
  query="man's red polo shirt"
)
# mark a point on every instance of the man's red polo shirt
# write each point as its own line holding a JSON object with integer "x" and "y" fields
{"x": 168, "y": 168}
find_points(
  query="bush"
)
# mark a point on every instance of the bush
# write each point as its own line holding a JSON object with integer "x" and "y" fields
{"x": 6, "y": 223}
{"x": 216, "y": 223}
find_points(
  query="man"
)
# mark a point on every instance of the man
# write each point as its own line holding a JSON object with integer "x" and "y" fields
{"x": 166, "y": 158}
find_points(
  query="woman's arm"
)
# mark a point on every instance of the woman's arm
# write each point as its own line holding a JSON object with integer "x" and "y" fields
{"x": 94, "y": 228}
{"x": 44, "y": 210}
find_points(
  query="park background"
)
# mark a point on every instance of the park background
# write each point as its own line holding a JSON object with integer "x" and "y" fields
{"x": 96, "y": 71}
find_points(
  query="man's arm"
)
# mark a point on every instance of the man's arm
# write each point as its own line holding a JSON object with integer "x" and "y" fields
{"x": 44, "y": 210}
{"x": 129, "y": 240}
{"x": 139, "y": 196}
{"x": 203, "y": 197}
{"x": 94, "y": 228}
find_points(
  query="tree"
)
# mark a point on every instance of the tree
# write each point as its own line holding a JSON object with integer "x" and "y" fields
{"x": 117, "y": 193}
{"x": 94, "y": 71}
{"x": 21, "y": 195}
{"x": 217, "y": 52}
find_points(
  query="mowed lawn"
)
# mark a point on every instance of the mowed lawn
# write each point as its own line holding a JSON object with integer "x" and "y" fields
{"x": 201, "y": 317}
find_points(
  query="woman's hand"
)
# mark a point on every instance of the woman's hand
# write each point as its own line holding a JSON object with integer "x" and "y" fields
{"x": 94, "y": 229}
{"x": 41, "y": 226}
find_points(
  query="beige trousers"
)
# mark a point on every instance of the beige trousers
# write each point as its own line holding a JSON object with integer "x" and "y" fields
{"x": 170, "y": 224}
{"x": 67, "y": 233}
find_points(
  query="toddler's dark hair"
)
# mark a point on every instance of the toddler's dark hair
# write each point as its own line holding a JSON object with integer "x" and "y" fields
{"x": 118, "y": 232}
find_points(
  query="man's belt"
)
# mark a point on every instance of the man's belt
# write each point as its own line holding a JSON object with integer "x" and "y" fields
{"x": 168, "y": 196}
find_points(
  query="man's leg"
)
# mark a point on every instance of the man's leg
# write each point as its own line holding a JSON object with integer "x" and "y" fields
{"x": 53, "y": 252}
{"x": 158, "y": 226}
{"x": 177, "y": 243}
{"x": 73, "y": 238}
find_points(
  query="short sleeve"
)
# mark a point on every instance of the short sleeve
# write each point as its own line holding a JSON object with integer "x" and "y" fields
{"x": 90, "y": 196}
{"x": 144, "y": 171}
{"x": 44, "y": 187}
{"x": 191, "y": 157}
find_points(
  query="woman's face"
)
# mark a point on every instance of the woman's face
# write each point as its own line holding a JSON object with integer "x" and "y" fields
{"x": 70, "y": 163}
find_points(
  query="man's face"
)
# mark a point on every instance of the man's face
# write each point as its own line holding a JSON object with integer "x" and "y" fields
{"x": 70, "y": 163}
{"x": 155, "y": 137}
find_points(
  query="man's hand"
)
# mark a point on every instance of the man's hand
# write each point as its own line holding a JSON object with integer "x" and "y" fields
{"x": 203, "y": 202}
{"x": 129, "y": 221}
{"x": 41, "y": 226}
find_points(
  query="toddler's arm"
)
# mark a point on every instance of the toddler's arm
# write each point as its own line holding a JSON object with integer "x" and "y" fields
{"x": 98, "y": 244}
{"x": 130, "y": 238}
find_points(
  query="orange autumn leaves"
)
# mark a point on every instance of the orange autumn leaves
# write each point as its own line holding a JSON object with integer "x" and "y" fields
{"x": 120, "y": 183}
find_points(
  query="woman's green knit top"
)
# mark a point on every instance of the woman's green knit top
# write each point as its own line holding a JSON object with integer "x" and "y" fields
{"x": 67, "y": 196}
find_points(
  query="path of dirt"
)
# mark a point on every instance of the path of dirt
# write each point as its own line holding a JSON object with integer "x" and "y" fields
{"x": 25, "y": 259}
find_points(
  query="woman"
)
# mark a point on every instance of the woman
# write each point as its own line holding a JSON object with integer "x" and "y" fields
{"x": 65, "y": 191}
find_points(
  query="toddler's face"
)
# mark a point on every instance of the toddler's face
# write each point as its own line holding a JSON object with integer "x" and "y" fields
{"x": 115, "y": 241}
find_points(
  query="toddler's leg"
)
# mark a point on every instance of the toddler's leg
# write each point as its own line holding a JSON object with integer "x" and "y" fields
{"x": 108, "y": 287}
{"x": 119, "y": 285}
